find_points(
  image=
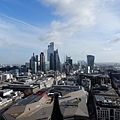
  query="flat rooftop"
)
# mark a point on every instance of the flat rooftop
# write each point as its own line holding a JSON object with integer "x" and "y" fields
{"x": 96, "y": 75}
{"x": 107, "y": 101}
{"x": 104, "y": 90}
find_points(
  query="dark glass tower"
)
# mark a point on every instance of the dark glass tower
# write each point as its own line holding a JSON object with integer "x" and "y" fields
{"x": 51, "y": 61}
{"x": 90, "y": 63}
{"x": 56, "y": 60}
{"x": 42, "y": 61}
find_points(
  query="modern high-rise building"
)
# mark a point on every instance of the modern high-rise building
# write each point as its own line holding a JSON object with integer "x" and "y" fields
{"x": 50, "y": 55}
{"x": 38, "y": 62}
{"x": 50, "y": 50}
{"x": 90, "y": 63}
{"x": 53, "y": 57}
{"x": 56, "y": 60}
{"x": 42, "y": 61}
{"x": 69, "y": 60}
{"x": 33, "y": 64}
{"x": 51, "y": 61}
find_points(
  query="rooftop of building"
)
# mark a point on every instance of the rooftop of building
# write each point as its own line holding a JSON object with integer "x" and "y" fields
{"x": 72, "y": 103}
{"x": 96, "y": 75}
{"x": 107, "y": 101}
{"x": 5, "y": 90}
{"x": 116, "y": 80}
{"x": 104, "y": 89}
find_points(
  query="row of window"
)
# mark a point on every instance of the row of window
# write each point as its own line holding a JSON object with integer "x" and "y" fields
{"x": 117, "y": 115}
{"x": 103, "y": 113}
{"x": 106, "y": 114}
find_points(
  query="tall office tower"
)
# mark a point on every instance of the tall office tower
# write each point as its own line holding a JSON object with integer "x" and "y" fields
{"x": 68, "y": 65}
{"x": 38, "y": 62}
{"x": 50, "y": 50}
{"x": 33, "y": 64}
{"x": 90, "y": 63}
{"x": 69, "y": 60}
{"x": 56, "y": 60}
{"x": 42, "y": 61}
{"x": 50, "y": 55}
{"x": 51, "y": 61}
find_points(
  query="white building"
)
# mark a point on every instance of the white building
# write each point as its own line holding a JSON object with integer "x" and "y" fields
{"x": 7, "y": 77}
{"x": 5, "y": 92}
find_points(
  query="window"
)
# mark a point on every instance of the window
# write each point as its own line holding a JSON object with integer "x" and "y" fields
{"x": 111, "y": 112}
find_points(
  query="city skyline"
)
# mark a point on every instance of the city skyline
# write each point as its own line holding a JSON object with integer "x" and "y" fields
{"x": 78, "y": 28}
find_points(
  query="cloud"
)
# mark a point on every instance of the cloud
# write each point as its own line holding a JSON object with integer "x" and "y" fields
{"x": 74, "y": 15}
{"x": 107, "y": 49}
{"x": 18, "y": 37}
{"x": 3, "y": 42}
{"x": 18, "y": 32}
{"x": 114, "y": 41}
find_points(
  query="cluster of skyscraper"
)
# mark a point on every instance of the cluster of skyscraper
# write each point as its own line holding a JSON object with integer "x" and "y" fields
{"x": 37, "y": 62}
{"x": 53, "y": 57}
{"x": 68, "y": 65}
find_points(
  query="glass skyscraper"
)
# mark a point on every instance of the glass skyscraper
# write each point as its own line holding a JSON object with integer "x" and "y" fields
{"x": 90, "y": 63}
{"x": 56, "y": 60}
{"x": 50, "y": 50}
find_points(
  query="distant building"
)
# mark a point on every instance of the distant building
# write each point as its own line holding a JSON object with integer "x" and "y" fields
{"x": 86, "y": 83}
{"x": 50, "y": 55}
{"x": 42, "y": 61}
{"x": 69, "y": 60}
{"x": 38, "y": 62}
{"x": 51, "y": 61}
{"x": 33, "y": 64}
{"x": 56, "y": 60}
{"x": 27, "y": 65}
{"x": 15, "y": 72}
{"x": 5, "y": 92}
{"x": 97, "y": 79}
{"x": 50, "y": 50}
{"x": 67, "y": 67}
{"x": 47, "y": 66}
{"x": 7, "y": 77}
{"x": 53, "y": 57}
{"x": 90, "y": 63}
{"x": 116, "y": 82}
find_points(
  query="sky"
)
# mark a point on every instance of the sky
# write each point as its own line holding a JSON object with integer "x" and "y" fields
{"x": 77, "y": 27}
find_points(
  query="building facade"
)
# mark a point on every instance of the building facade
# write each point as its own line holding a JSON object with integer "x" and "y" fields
{"x": 50, "y": 50}
{"x": 90, "y": 63}
{"x": 107, "y": 107}
{"x": 42, "y": 61}
{"x": 56, "y": 60}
